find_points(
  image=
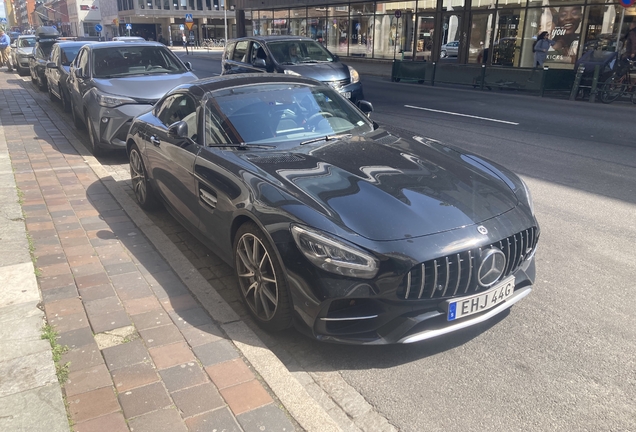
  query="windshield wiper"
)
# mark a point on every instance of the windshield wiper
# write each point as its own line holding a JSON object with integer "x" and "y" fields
{"x": 327, "y": 138}
{"x": 310, "y": 61}
{"x": 244, "y": 146}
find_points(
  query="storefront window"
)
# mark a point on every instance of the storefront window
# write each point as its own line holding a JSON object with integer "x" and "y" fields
{"x": 392, "y": 36}
{"x": 452, "y": 5}
{"x": 298, "y": 13}
{"x": 425, "y": 33}
{"x": 361, "y": 8}
{"x": 338, "y": 30}
{"x": 280, "y": 24}
{"x": 506, "y": 48}
{"x": 480, "y": 32}
{"x": 361, "y": 39}
{"x": 317, "y": 24}
{"x": 602, "y": 27}
{"x": 451, "y": 25}
{"x": 563, "y": 24}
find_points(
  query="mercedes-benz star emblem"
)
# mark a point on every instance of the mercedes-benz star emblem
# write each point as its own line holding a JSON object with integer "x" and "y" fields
{"x": 482, "y": 229}
{"x": 493, "y": 264}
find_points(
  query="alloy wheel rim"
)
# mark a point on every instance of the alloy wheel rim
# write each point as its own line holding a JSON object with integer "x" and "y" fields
{"x": 257, "y": 277}
{"x": 137, "y": 176}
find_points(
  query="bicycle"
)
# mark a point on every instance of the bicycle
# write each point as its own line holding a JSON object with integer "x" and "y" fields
{"x": 620, "y": 82}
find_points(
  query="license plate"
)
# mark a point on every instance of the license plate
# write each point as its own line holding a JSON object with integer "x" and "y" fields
{"x": 480, "y": 302}
{"x": 346, "y": 94}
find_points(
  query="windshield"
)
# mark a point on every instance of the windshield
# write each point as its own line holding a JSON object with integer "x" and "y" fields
{"x": 275, "y": 114}
{"x": 122, "y": 61}
{"x": 299, "y": 51}
{"x": 68, "y": 54}
{"x": 26, "y": 42}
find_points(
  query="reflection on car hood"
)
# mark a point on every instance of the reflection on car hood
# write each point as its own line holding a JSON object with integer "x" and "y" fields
{"x": 391, "y": 191}
{"x": 325, "y": 71}
{"x": 143, "y": 86}
{"x": 25, "y": 51}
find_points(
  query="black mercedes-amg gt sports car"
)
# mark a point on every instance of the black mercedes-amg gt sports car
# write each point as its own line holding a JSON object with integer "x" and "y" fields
{"x": 348, "y": 231}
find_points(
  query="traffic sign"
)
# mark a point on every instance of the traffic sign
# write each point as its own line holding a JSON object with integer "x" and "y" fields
{"x": 189, "y": 25}
{"x": 181, "y": 27}
{"x": 98, "y": 28}
{"x": 627, "y": 3}
{"x": 128, "y": 26}
{"x": 3, "y": 20}
{"x": 188, "y": 18}
{"x": 398, "y": 13}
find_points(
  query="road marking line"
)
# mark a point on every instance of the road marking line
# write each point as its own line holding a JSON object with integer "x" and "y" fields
{"x": 462, "y": 115}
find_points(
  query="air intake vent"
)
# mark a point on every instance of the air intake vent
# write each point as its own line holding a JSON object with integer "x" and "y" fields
{"x": 387, "y": 139}
{"x": 275, "y": 159}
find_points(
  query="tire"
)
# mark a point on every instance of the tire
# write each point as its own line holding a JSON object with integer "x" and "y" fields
{"x": 66, "y": 105}
{"x": 79, "y": 124}
{"x": 261, "y": 280}
{"x": 144, "y": 193}
{"x": 613, "y": 88}
{"x": 51, "y": 95}
{"x": 93, "y": 137}
{"x": 41, "y": 83}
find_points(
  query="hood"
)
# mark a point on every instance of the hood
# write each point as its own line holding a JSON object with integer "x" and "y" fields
{"x": 151, "y": 87}
{"x": 25, "y": 50}
{"x": 324, "y": 71}
{"x": 390, "y": 191}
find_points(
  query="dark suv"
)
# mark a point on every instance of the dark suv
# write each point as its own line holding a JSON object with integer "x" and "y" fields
{"x": 45, "y": 37}
{"x": 292, "y": 55}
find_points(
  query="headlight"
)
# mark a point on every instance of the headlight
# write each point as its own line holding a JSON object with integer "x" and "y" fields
{"x": 334, "y": 255}
{"x": 528, "y": 196}
{"x": 291, "y": 72}
{"x": 355, "y": 77}
{"x": 112, "y": 101}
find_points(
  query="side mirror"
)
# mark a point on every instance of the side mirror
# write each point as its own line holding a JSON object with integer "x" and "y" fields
{"x": 336, "y": 58}
{"x": 79, "y": 73}
{"x": 51, "y": 65}
{"x": 178, "y": 130}
{"x": 188, "y": 65}
{"x": 365, "y": 106}
{"x": 259, "y": 63}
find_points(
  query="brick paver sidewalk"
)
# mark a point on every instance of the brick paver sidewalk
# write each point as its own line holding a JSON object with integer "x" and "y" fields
{"x": 143, "y": 354}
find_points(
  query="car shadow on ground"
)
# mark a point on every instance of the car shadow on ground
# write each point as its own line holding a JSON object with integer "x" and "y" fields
{"x": 298, "y": 351}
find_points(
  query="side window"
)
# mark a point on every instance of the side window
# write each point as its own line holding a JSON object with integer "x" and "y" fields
{"x": 256, "y": 52}
{"x": 228, "y": 51}
{"x": 82, "y": 62}
{"x": 240, "y": 51}
{"x": 214, "y": 132}
{"x": 180, "y": 107}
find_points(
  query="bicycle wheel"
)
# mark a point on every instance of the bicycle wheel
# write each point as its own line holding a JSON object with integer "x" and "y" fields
{"x": 613, "y": 88}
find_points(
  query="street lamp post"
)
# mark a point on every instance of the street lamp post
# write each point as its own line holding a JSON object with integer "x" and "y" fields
{"x": 225, "y": 18}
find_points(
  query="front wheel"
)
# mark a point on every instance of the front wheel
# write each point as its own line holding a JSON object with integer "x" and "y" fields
{"x": 93, "y": 136}
{"x": 261, "y": 281}
{"x": 144, "y": 193}
{"x": 613, "y": 88}
{"x": 77, "y": 121}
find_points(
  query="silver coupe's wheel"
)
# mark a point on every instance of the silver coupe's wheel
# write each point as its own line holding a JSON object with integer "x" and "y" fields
{"x": 261, "y": 281}
{"x": 141, "y": 186}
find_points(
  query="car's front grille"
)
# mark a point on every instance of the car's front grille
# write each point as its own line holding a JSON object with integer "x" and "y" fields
{"x": 339, "y": 83}
{"x": 455, "y": 275}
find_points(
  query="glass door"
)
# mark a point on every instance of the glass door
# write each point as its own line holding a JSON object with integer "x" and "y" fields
{"x": 480, "y": 37}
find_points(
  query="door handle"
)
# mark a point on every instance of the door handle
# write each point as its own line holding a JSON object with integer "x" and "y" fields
{"x": 154, "y": 140}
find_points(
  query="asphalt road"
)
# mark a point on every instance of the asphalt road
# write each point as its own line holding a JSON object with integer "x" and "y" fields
{"x": 565, "y": 357}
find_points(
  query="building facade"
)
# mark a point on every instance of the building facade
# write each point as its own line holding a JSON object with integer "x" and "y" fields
{"x": 498, "y": 32}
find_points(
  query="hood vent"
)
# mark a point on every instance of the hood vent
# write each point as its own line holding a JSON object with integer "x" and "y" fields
{"x": 275, "y": 159}
{"x": 386, "y": 139}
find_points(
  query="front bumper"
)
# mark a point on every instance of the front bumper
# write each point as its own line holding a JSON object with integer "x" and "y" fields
{"x": 113, "y": 124}
{"x": 22, "y": 61}
{"x": 339, "y": 309}
{"x": 355, "y": 89}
